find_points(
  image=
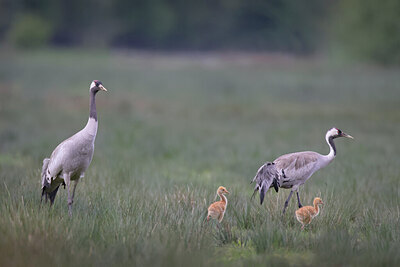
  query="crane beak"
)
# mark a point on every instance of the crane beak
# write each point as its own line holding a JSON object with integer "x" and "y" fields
{"x": 347, "y": 135}
{"x": 227, "y": 192}
{"x": 102, "y": 88}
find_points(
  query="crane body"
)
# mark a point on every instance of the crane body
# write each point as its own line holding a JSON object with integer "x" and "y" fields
{"x": 290, "y": 171}
{"x": 70, "y": 159}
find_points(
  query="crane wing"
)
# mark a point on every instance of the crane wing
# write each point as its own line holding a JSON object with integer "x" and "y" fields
{"x": 296, "y": 166}
{"x": 265, "y": 178}
{"x": 60, "y": 156}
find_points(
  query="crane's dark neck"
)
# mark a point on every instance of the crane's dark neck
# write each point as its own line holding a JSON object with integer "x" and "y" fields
{"x": 93, "y": 111}
{"x": 332, "y": 145}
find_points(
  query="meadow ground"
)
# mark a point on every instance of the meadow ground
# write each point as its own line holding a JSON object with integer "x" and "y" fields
{"x": 175, "y": 127}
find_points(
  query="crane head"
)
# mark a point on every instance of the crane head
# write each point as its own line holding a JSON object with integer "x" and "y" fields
{"x": 96, "y": 86}
{"x": 222, "y": 190}
{"x": 318, "y": 201}
{"x": 335, "y": 133}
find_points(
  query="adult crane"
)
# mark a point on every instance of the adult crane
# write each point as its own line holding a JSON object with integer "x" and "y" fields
{"x": 290, "y": 171}
{"x": 72, "y": 157}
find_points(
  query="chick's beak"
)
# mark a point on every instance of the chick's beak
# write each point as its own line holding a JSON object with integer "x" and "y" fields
{"x": 227, "y": 192}
{"x": 347, "y": 135}
{"x": 102, "y": 88}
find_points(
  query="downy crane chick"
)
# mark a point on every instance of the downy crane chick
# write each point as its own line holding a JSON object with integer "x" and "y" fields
{"x": 305, "y": 214}
{"x": 217, "y": 209}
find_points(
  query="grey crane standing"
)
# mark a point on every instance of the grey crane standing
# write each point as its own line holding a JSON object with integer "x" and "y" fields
{"x": 72, "y": 157}
{"x": 292, "y": 170}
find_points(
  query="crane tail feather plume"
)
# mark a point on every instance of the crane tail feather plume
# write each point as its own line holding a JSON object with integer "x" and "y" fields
{"x": 52, "y": 195}
{"x": 265, "y": 178}
{"x": 275, "y": 184}
{"x": 44, "y": 180}
{"x": 263, "y": 191}
{"x": 44, "y": 169}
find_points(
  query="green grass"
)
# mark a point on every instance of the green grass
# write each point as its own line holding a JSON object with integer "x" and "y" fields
{"x": 175, "y": 127}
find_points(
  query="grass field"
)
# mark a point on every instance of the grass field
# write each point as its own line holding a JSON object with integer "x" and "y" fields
{"x": 175, "y": 127}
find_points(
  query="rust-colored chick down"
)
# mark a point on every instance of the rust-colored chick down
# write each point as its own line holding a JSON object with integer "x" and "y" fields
{"x": 217, "y": 209}
{"x": 305, "y": 214}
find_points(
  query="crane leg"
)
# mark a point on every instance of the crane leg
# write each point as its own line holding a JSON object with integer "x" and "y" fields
{"x": 287, "y": 202}
{"x": 73, "y": 189}
{"x": 298, "y": 199}
{"x": 67, "y": 180}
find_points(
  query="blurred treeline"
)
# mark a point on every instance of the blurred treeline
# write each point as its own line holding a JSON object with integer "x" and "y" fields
{"x": 366, "y": 29}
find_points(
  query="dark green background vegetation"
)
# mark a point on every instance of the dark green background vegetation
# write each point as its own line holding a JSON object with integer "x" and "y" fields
{"x": 367, "y": 30}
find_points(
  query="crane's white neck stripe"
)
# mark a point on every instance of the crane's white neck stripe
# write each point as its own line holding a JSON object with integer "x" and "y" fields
{"x": 332, "y": 145}
{"x": 93, "y": 84}
{"x": 332, "y": 150}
